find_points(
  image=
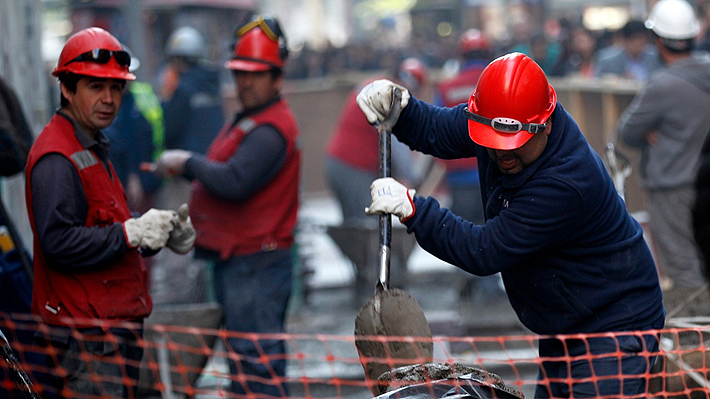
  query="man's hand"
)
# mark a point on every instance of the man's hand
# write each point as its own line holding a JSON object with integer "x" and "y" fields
{"x": 375, "y": 99}
{"x": 182, "y": 238}
{"x": 151, "y": 230}
{"x": 172, "y": 163}
{"x": 390, "y": 196}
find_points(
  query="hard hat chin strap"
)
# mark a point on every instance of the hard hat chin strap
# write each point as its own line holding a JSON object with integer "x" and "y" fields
{"x": 506, "y": 125}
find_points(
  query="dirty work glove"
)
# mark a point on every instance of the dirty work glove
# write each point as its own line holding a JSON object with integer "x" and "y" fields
{"x": 390, "y": 196}
{"x": 151, "y": 230}
{"x": 172, "y": 163}
{"x": 375, "y": 99}
{"x": 182, "y": 238}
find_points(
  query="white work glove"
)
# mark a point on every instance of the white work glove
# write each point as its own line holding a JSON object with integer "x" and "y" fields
{"x": 182, "y": 238}
{"x": 390, "y": 196}
{"x": 375, "y": 99}
{"x": 151, "y": 230}
{"x": 172, "y": 163}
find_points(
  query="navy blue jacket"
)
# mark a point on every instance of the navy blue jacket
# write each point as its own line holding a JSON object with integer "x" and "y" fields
{"x": 193, "y": 116}
{"x": 571, "y": 257}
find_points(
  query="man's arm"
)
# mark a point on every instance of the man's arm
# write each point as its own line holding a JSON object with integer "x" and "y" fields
{"x": 59, "y": 207}
{"x": 638, "y": 122}
{"x": 438, "y": 131}
{"x": 258, "y": 159}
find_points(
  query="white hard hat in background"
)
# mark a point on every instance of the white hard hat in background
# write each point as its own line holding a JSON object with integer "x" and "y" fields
{"x": 135, "y": 62}
{"x": 673, "y": 19}
{"x": 187, "y": 42}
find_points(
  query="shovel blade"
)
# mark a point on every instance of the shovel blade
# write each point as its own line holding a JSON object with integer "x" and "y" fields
{"x": 391, "y": 313}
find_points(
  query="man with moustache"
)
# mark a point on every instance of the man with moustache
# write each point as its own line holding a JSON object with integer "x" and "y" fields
{"x": 87, "y": 248}
{"x": 244, "y": 204}
{"x": 572, "y": 259}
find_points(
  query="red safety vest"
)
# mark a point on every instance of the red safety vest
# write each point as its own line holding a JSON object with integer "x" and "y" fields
{"x": 117, "y": 290}
{"x": 455, "y": 91}
{"x": 354, "y": 141}
{"x": 267, "y": 219}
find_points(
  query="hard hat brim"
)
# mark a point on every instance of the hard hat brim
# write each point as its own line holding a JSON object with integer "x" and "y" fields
{"x": 488, "y": 137}
{"x": 93, "y": 71}
{"x": 248, "y": 65}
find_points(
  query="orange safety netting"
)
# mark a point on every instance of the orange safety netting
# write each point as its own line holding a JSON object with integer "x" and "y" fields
{"x": 192, "y": 362}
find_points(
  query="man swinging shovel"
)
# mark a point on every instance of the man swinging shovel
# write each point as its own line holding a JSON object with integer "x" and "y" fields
{"x": 390, "y": 312}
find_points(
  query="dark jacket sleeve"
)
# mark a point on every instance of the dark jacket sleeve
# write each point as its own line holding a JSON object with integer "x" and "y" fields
{"x": 438, "y": 131}
{"x": 15, "y": 134}
{"x": 59, "y": 207}
{"x": 258, "y": 159}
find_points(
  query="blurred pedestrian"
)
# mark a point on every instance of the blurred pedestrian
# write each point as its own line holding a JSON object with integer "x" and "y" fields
{"x": 244, "y": 205}
{"x": 87, "y": 248}
{"x": 635, "y": 59}
{"x": 577, "y": 60}
{"x": 475, "y": 52}
{"x": 544, "y": 51}
{"x": 572, "y": 259}
{"x": 137, "y": 135}
{"x": 668, "y": 122}
{"x": 192, "y": 103}
{"x": 352, "y": 151}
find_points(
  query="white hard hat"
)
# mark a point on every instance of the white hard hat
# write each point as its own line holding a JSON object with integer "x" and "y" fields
{"x": 187, "y": 42}
{"x": 135, "y": 62}
{"x": 673, "y": 19}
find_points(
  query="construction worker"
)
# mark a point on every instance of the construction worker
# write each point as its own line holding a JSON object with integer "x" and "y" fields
{"x": 572, "y": 259}
{"x": 668, "y": 122}
{"x": 475, "y": 52}
{"x": 192, "y": 103}
{"x": 137, "y": 135}
{"x": 244, "y": 205}
{"x": 87, "y": 248}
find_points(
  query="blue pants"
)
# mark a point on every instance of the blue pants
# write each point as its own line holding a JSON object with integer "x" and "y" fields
{"x": 254, "y": 291}
{"x": 597, "y": 375}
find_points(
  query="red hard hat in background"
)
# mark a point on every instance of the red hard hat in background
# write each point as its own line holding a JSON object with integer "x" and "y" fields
{"x": 260, "y": 46}
{"x": 413, "y": 72}
{"x": 510, "y": 103}
{"x": 473, "y": 40}
{"x": 94, "y": 52}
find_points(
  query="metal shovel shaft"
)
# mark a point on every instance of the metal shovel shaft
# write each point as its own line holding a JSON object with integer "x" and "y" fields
{"x": 384, "y": 130}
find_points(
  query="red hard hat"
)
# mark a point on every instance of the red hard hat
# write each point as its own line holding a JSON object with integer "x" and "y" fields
{"x": 472, "y": 40}
{"x": 510, "y": 103}
{"x": 94, "y": 52}
{"x": 415, "y": 68}
{"x": 260, "y": 46}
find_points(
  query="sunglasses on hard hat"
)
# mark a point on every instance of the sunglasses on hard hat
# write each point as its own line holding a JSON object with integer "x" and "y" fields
{"x": 102, "y": 56}
{"x": 270, "y": 27}
{"x": 505, "y": 125}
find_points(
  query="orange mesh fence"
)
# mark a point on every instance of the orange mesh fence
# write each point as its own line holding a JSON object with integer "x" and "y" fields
{"x": 193, "y": 362}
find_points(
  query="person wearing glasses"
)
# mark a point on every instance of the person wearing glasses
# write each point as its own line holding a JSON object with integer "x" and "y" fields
{"x": 244, "y": 205}
{"x": 572, "y": 259}
{"x": 89, "y": 275}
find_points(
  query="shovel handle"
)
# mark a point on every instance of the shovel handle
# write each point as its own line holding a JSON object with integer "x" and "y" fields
{"x": 384, "y": 131}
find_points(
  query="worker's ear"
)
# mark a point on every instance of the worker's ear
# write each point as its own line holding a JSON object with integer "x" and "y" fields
{"x": 548, "y": 126}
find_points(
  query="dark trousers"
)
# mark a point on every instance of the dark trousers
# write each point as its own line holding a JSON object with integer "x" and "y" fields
{"x": 98, "y": 365}
{"x": 597, "y": 366}
{"x": 254, "y": 291}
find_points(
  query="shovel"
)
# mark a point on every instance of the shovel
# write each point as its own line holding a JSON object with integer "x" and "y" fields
{"x": 390, "y": 312}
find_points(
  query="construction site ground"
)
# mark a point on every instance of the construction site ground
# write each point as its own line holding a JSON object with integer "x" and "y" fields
{"x": 327, "y": 303}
